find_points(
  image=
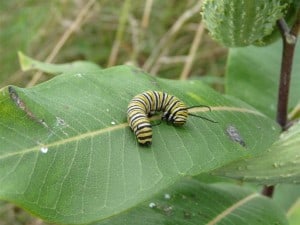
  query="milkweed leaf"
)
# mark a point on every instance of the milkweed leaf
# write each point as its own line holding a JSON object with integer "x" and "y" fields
{"x": 192, "y": 202}
{"x": 68, "y": 156}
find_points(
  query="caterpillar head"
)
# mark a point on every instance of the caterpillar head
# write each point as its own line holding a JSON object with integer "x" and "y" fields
{"x": 177, "y": 115}
{"x": 180, "y": 118}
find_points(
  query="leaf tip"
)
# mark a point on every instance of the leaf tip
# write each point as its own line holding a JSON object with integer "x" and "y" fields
{"x": 25, "y": 62}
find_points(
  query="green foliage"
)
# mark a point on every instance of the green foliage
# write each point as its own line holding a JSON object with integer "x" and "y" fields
{"x": 28, "y": 63}
{"x": 67, "y": 154}
{"x": 289, "y": 17}
{"x": 70, "y": 133}
{"x": 236, "y": 23}
{"x": 280, "y": 164}
{"x": 19, "y": 31}
{"x": 192, "y": 202}
{"x": 35, "y": 27}
{"x": 252, "y": 76}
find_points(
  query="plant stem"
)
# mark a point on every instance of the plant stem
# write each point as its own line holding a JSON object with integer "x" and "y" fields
{"x": 268, "y": 191}
{"x": 289, "y": 39}
{"x": 289, "y": 43}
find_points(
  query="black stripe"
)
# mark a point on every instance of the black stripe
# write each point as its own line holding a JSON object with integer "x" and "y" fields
{"x": 132, "y": 120}
{"x": 132, "y": 107}
{"x": 173, "y": 104}
{"x": 148, "y": 97}
{"x": 178, "y": 109}
{"x": 140, "y": 101}
{"x": 147, "y": 133}
{"x": 141, "y": 127}
{"x": 156, "y": 95}
{"x": 171, "y": 111}
{"x": 170, "y": 101}
{"x": 164, "y": 97}
{"x": 144, "y": 138}
{"x": 144, "y": 132}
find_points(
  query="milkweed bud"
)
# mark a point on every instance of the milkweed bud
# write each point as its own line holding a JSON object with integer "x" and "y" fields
{"x": 237, "y": 23}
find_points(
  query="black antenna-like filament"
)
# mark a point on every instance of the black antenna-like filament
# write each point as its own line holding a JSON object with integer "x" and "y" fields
{"x": 202, "y": 117}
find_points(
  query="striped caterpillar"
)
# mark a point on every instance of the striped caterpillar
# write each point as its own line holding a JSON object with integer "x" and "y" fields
{"x": 146, "y": 104}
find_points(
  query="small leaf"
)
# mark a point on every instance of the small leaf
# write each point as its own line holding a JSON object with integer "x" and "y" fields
{"x": 68, "y": 155}
{"x": 192, "y": 202}
{"x": 28, "y": 63}
{"x": 280, "y": 164}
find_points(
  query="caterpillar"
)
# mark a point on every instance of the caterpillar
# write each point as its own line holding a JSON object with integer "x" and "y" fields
{"x": 144, "y": 105}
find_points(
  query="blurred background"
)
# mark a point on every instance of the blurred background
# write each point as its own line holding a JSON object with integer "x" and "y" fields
{"x": 164, "y": 38}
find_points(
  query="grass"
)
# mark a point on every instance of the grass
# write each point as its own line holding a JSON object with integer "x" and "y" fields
{"x": 165, "y": 38}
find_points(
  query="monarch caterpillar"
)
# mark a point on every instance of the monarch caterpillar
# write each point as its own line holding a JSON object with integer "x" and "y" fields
{"x": 146, "y": 104}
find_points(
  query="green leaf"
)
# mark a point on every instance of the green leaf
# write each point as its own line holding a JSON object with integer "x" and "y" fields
{"x": 296, "y": 3}
{"x": 68, "y": 155}
{"x": 294, "y": 214}
{"x": 287, "y": 195}
{"x": 192, "y": 202}
{"x": 253, "y": 74}
{"x": 28, "y": 63}
{"x": 280, "y": 164}
{"x": 238, "y": 23}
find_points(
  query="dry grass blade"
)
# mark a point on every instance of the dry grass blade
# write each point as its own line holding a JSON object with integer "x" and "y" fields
{"x": 146, "y": 15}
{"x": 120, "y": 33}
{"x": 192, "y": 53}
{"x": 66, "y": 35}
{"x": 163, "y": 43}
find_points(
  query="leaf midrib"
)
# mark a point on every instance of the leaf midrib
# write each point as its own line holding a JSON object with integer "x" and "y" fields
{"x": 235, "y": 206}
{"x": 120, "y": 126}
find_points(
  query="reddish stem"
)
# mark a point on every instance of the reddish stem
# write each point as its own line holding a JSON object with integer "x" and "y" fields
{"x": 289, "y": 39}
